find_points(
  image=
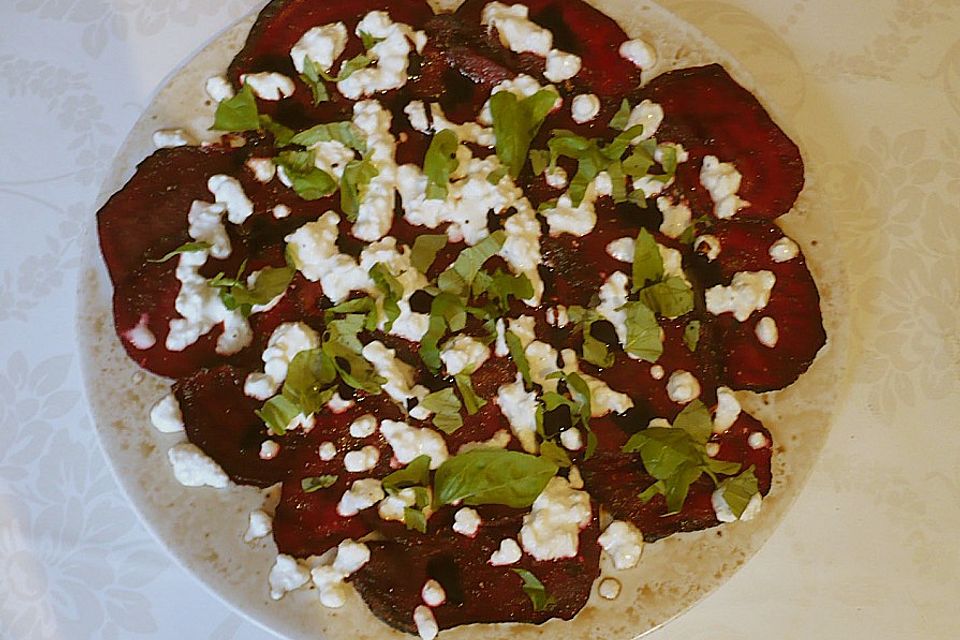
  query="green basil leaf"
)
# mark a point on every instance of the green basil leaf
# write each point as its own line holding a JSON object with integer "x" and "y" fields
{"x": 539, "y": 159}
{"x": 415, "y": 519}
{"x": 277, "y": 413}
{"x": 345, "y": 132}
{"x": 446, "y": 409}
{"x": 722, "y": 467}
{"x": 647, "y": 262}
{"x": 643, "y": 332}
{"x": 461, "y": 273}
{"x": 368, "y": 40}
{"x": 425, "y": 250}
{"x": 691, "y": 334}
{"x": 640, "y": 160}
{"x": 596, "y": 352}
{"x": 270, "y": 283}
{"x": 580, "y": 392}
{"x": 671, "y": 298}
{"x": 495, "y": 176}
{"x": 311, "y": 380}
{"x": 619, "y": 181}
{"x": 429, "y": 345}
{"x": 501, "y": 286}
{"x": 238, "y": 113}
{"x": 315, "y": 483}
{"x": 184, "y": 248}
{"x": 695, "y": 420}
{"x": 516, "y": 123}
{"x": 308, "y": 181}
{"x": 535, "y": 590}
{"x": 738, "y": 491}
{"x": 677, "y": 487}
{"x": 554, "y": 453}
{"x": 439, "y": 162}
{"x": 518, "y": 356}
{"x": 281, "y": 134}
{"x": 392, "y": 292}
{"x": 492, "y": 476}
{"x": 664, "y": 451}
{"x": 311, "y": 78}
{"x": 348, "y": 68}
{"x": 619, "y": 121}
{"x": 668, "y": 155}
{"x": 619, "y": 145}
{"x": 415, "y": 474}
{"x": 471, "y": 402}
{"x": 356, "y": 177}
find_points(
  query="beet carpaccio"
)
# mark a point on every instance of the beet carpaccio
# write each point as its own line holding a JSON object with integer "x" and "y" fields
{"x": 478, "y": 289}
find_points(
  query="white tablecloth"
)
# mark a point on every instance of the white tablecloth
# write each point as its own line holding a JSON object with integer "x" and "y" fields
{"x": 868, "y": 551}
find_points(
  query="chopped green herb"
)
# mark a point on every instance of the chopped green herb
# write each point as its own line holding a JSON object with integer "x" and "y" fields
{"x": 619, "y": 121}
{"x": 311, "y": 380}
{"x": 492, "y": 476}
{"x": 368, "y": 40}
{"x": 643, "y": 332}
{"x": 439, "y": 163}
{"x": 281, "y": 134}
{"x": 415, "y": 474}
{"x": 238, "y": 113}
{"x": 671, "y": 298}
{"x": 356, "y": 177}
{"x": 554, "y": 453}
{"x": 348, "y": 68}
{"x": 446, "y": 409}
{"x": 691, "y": 334}
{"x": 345, "y": 132}
{"x": 518, "y": 356}
{"x": 308, "y": 181}
{"x": 415, "y": 519}
{"x": 315, "y": 483}
{"x": 311, "y": 78}
{"x": 277, "y": 413}
{"x": 739, "y": 490}
{"x": 497, "y": 175}
{"x": 392, "y": 292}
{"x": 539, "y": 159}
{"x": 471, "y": 401}
{"x": 516, "y": 123}
{"x": 459, "y": 276}
{"x": 187, "y": 247}
{"x": 647, "y": 262}
{"x": 425, "y": 250}
{"x": 535, "y": 590}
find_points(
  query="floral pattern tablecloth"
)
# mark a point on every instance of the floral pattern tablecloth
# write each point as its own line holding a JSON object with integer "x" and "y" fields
{"x": 868, "y": 550}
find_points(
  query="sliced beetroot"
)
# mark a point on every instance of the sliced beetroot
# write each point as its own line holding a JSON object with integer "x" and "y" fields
{"x": 710, "y": 114}
{"x": 794, "y": 306}
{"x": 616, "y": 480}
{"x": 306, "y": 522}
{"x": 580, "y": 29}
{"x": 391, "y": 581}
{"x": 220, "y": 419}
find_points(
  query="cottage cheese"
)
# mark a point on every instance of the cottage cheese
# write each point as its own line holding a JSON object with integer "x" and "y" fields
{"x": 466, "y": 522}
{"x": 722, "y": 180}
{"x": 166, "y": 416}
{"x": 639, "y": 53}
{"x": 784, "y": 250}
{"x": 361, "y": 495}
{"x": 728, "y": 410}
{"x": 623, "y": 542}
{"x": 260, "y": 526}
{"x": 749, "y": 291}
{"x": 585, "y": 107}
{"x": 683, "y": 387}
{"x": 391, "y": 55}
{"x": 322, "y": 45}
{"x": 767, "y": 332}
{"x": 463, "y": 354}
{"x": 286, "y": 341}
{"x": 410, "y": 442}
{"x": 172, "y": 138}
{"x": 551, "y": 530}
{"x": 508, "y": 553}
{"x": 193, "y": 468}
{"x": 269, "y": 86}
{"x": 286, "y": 575}
{"x": 329, "y": 578}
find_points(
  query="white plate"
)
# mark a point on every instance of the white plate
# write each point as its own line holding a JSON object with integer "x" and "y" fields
{"x": 203, "y": 528}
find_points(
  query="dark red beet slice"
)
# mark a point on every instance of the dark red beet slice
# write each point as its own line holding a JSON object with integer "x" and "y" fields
{"x": 307, "y": 523}
{"x": 710, "y": 114}
{"x": 221, "y": 420}
{"x": 616, "y": 479}
{"x": 391, "y": 581}
{"x": 794, "y": 306}
{"x": 580, "y": 29}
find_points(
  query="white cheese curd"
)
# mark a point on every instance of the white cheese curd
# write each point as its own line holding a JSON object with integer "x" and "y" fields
{"x": 425, "y": 622}
{"x": 613, "y": 296}
{"x": 640, "y": 53}
{"x": 364, "y": 426}
{"x": 466, "y": 132}
{"x": 722, "y": 180}
{"x": 558, "y": 316}
{"x": 219, "y": 88}
{"x": 331, "y": 157}
{"x": 542, "y": 359}
{"x": 361, "y": 495}
{"x": 551, "y": 530}
{"x": 517, "y": 32}
{"x": 784, "y": 250}
{"x": 140, "y": 336}
{"x": 519, "y": 407}
{"x": 318, "y": 258}
{"x": 329, "y": 578}
{"x": 672, "y": 263}
{"x": 205, "y": 222}
{"x": 603, "y": 399}
{"x": 500, "y": 348}
{"x": 263, "y": 169}
{"x": 409, "y": 325}
{"x": 603, "y": 184}
{"x": 269, "y": 85}
{"x": 400, "y": 385}
{"x": 466, "y": 522}
{"x": 338, "y": 405}
{"x": 193, "y": 468}
{"x": 650, "y": 115}
{"x": 622, "y": 249}
{"x": 728, "y": 410}
{"x": 579, "y": 220}
{"x": 375, "y": 214}
{"x": 657, "y": 372}
{"x": 676, "y": 217}
{"x": 767, "y": 332}
{"x": 417, "y": 115}
{"x": 260, "y": 525}
{"x": 508, "y": 553}
{"x": 433, "y": 594}
{"x": 712, "y": 449}
{"x": 574, "y": 477}
{"x": 166, "y": 416}
{"x": 410, "y": 442}
{"x": 269, "y": 450}
{"x": 201, "y": 309}
{"x": 561, "y": 65}
{"x": 228, "y": 191}
{"x": 521, "y": 248}
{"x": 623, "y": 542}
{"x": 707, "y": 245}
{"x": 650, "y": 185}
{"x": 609, "y": 588}
{"x": 683, "y": 387}
{"x": 390, "y": 55}
{"x": 725, "y": 514}
{"x": 571, "y": 439}
{"x": 585, "y": 107}
{"x": 522, "y": 86}
{"x": 362, "y": 460}
{"x": 555, "y": 177}
{"x": 172, "y": 138}
{"x": 499, "y": 440}
{"x": 281, "y": 211}
{"x": 757, "y": 440}
{"x": 523, "y": 327}
{"x": 394, "y": 507}
{"x": 681, "y": 154}
{"x": 327, "y": 451}
{"x": 322, "y": 45}
{"x": 286, "y": 575}
{"x": 286, "y": 341}
{"x": 749, "y": 291}
{"x": 463, "y": 354}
